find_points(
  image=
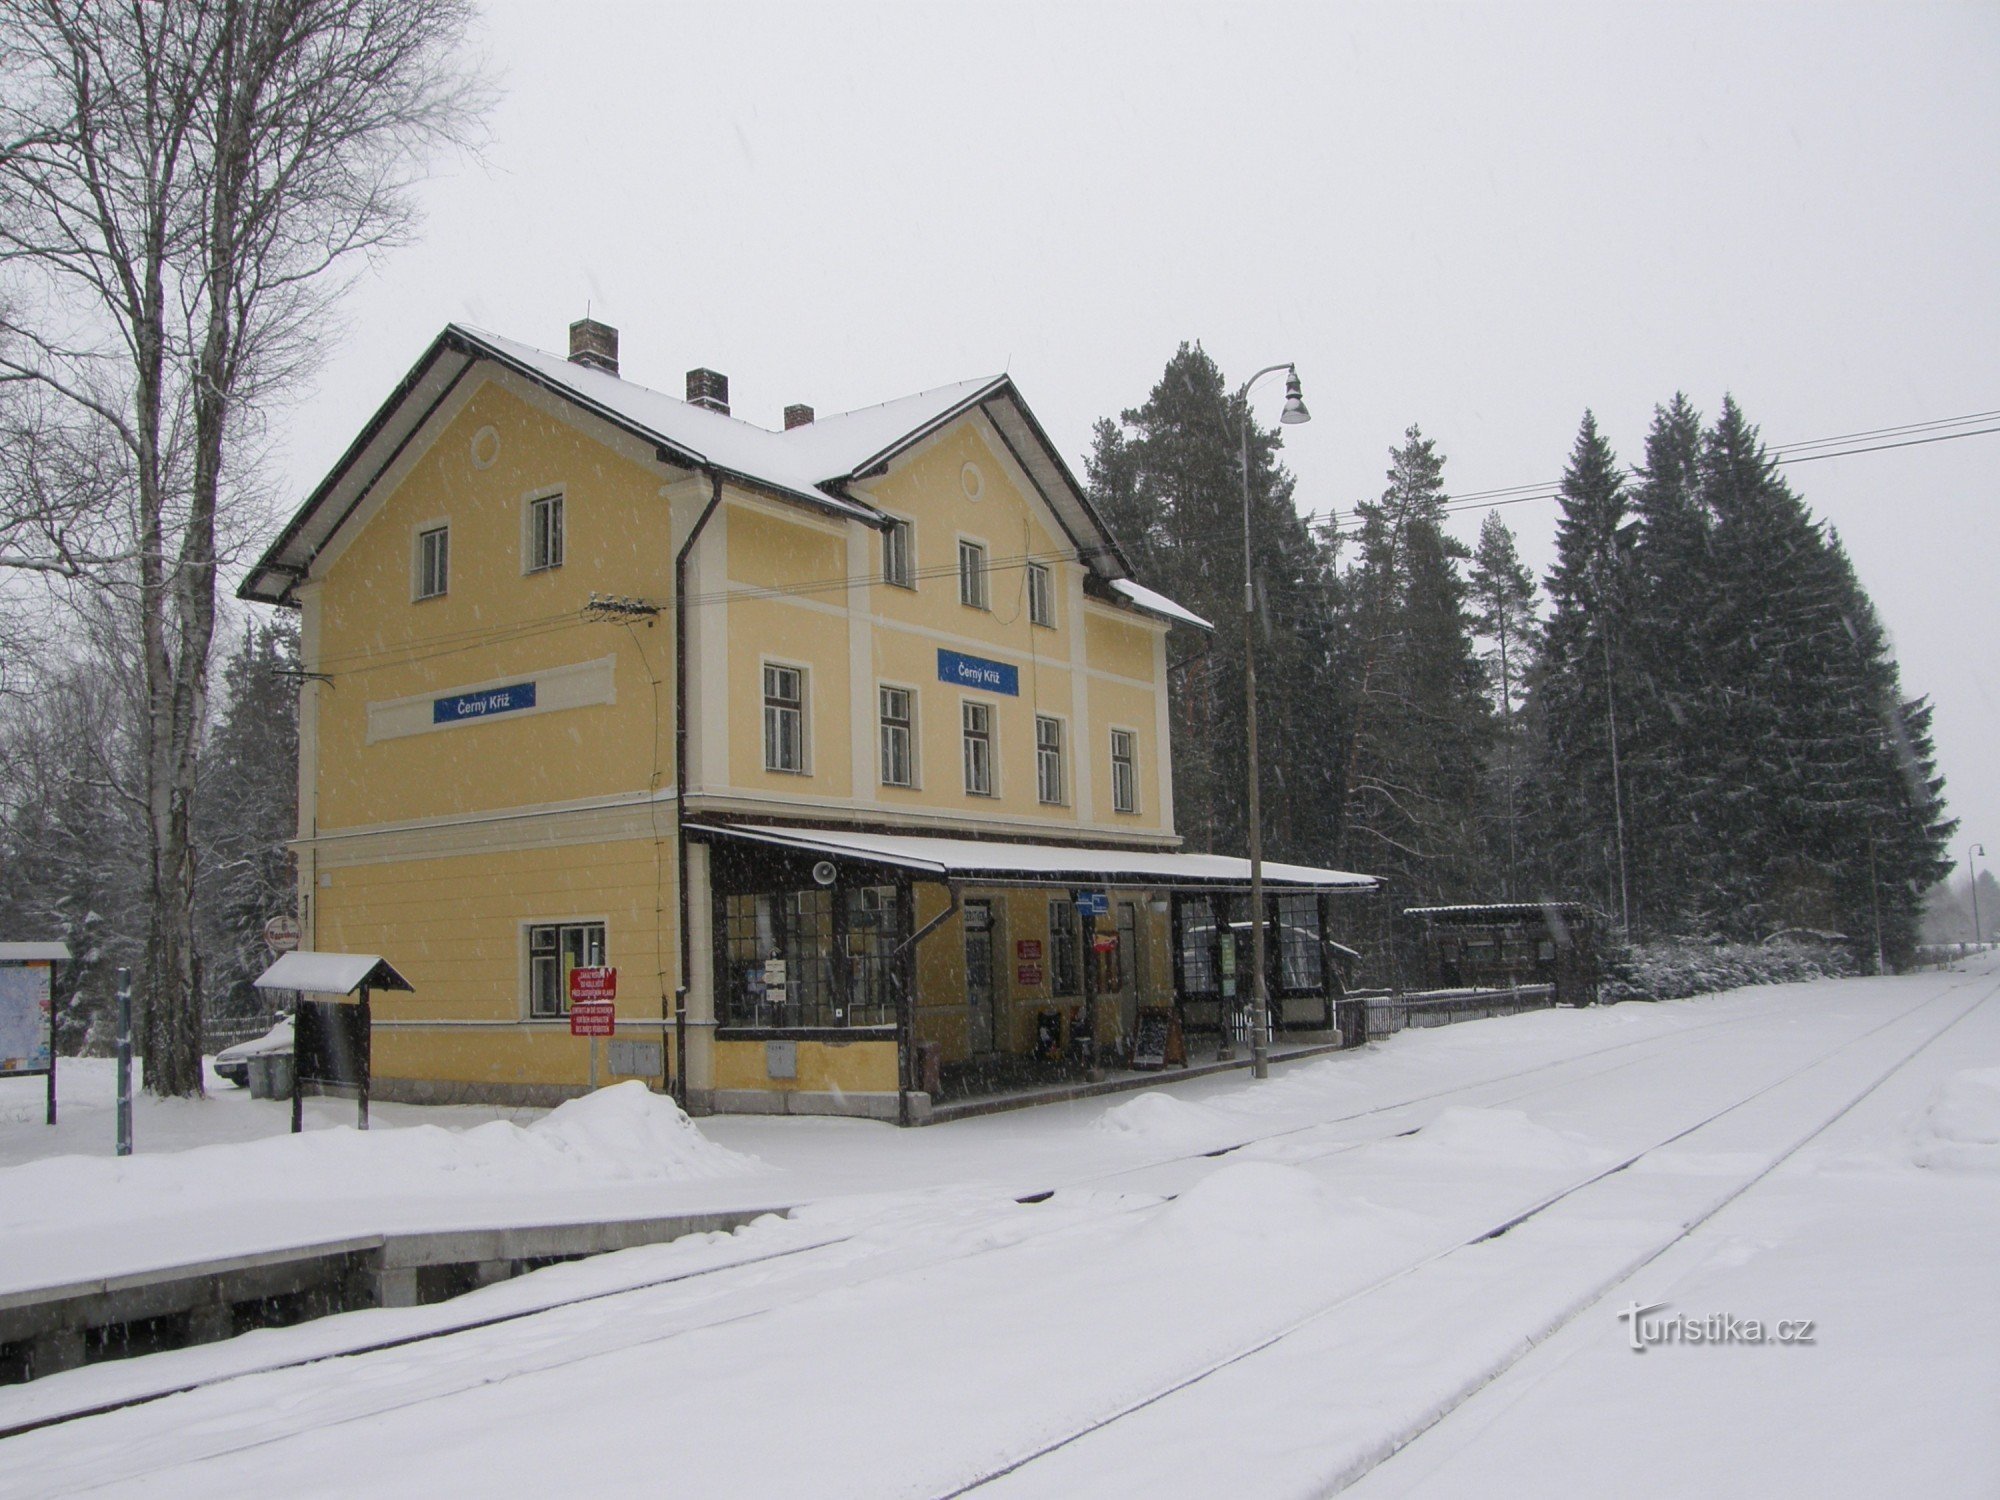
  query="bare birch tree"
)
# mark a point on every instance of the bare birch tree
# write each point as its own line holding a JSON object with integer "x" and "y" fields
{"x": 185, "y": 188}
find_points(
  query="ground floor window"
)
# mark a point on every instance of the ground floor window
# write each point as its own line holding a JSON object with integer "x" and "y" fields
{"x": 1299, "y": 942}
{"x": 554, "y": 948}
{"x": 1063, "y": 938}
{"x": 812, "y": 958}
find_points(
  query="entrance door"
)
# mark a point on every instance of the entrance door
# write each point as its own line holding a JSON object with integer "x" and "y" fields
{"x": 979, "y": 990}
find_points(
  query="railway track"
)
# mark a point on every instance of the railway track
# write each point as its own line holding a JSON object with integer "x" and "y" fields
{"x": 1646, "y": 1047}
{"x": 1593, "y": 1295}
{"x": 798, "y": 1257}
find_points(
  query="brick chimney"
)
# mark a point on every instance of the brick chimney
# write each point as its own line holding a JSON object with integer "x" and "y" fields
{"x": 798, "y": 416}
{"x": 707, "y": 388}
{"x": 593, "y": 345}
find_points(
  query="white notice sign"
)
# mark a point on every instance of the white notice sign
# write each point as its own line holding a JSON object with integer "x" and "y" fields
{"x": 25, "y": 999}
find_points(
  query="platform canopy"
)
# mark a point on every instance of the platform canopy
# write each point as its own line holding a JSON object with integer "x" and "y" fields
{"x": 995, "y": 863}
{"x": 331, "y": 973}
{"x": 34, "y": 953}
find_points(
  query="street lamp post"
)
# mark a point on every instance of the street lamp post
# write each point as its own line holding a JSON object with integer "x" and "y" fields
{"x": 1260, "y": 995}
{"x": 1972, "y": 877}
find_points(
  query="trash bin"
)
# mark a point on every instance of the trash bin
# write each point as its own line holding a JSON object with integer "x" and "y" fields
{"x": 271, "y": 1075}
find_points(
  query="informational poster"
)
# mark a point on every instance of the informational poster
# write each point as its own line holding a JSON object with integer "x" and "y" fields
{"x": 26, "y": 996}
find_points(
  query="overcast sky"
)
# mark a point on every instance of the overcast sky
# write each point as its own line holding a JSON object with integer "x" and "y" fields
{"x": 1480, "y": 219}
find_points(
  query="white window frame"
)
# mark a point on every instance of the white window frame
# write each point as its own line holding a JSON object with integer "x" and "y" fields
{"x": 882, "y": 731}
{"x": 1130, "y": 801}
{"x": 1041, "y": 595}
{"x": 532, "y": 509}
{"x": 992, "y": 740}
{"x": 804, "y": 711}
{"x": 1051, "y": 762}
{"x": 975, "y": 590}
{"x": 559, "y": 924}
{"x": 419, "y": 563}
{"x": 906, "y": 529}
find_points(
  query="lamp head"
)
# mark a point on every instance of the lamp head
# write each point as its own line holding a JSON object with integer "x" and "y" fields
{"x": 1295, "y": 404}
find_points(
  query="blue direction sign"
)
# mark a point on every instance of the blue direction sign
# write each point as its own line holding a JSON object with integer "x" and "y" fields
{"x": 1092, "y": 904}
{"x": 978, "y": 672}
{"x": 502, "y": 700}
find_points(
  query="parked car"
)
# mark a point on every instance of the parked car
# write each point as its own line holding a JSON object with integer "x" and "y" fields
{"x": 233, "y": 1063}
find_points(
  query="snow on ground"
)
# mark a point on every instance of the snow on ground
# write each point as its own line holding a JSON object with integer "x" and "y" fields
{"x": 913, "y": 1328}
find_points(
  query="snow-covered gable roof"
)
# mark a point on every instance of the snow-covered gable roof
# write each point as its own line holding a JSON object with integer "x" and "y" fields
{"x": 812, "y": 464}
{"x": 330, "y": 973}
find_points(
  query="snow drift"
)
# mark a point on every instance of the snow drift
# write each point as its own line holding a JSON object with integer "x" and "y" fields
{"x": 620, "y": 1134}
{"x": 1960, "y": 1128}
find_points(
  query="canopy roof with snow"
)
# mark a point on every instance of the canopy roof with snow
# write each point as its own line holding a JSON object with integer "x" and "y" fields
{"x": 811, "y": 464}
{"x": 331, "y": 973}
{"x": 993, "y": 862}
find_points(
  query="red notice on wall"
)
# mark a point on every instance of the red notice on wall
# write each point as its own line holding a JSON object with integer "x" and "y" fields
{"x": 593, "y": 1018}
{"x": 592, "y": 983}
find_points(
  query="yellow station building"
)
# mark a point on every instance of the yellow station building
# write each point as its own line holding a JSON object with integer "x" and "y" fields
{"x": 871, "y": 709}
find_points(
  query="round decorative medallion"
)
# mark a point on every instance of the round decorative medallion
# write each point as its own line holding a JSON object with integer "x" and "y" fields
{"x": 485, "y": 448}
{"x": 972, "y": 481}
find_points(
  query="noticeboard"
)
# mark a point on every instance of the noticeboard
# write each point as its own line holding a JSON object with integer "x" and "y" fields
{"x": 1154, "y": 1044}
{"x": 27, "y": 992}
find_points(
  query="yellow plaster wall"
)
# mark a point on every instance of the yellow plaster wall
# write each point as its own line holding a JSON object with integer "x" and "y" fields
{"x": 849, "y": 1067}
{"x": 453, "y": 928}
{"x": 495, "y": 623}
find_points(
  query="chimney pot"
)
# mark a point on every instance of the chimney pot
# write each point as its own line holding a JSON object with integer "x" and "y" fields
{"x": 709, "y": 389}
{"x": 593, "y": 345}
{"x": 798, "y": 416}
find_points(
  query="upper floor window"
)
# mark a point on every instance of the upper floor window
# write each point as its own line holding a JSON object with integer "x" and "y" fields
{"x": 972, "y": 575}
{"x": 897, "y": 566}
{"x": 1041, "y": 595}
{"x": 1124, "y": 771}
{"x": 1049, "y": 758}
{"x": 898, "y": 757}
{"x": 433, "y": 562}
{"x": 978, "y": 721}
{"x": 545, "y": 533}
{"x": 554, "y": 948}
{"x": 784, "y": 719}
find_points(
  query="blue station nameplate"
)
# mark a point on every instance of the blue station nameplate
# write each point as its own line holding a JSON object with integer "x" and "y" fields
{"x": 978, "y": 672}
{"x": 502, "y": 700}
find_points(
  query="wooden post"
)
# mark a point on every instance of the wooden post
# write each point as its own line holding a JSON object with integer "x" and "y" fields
{"x": 367, "y": 1058}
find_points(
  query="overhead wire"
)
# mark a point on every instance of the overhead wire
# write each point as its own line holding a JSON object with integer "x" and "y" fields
{"x": 1331, "y": 521}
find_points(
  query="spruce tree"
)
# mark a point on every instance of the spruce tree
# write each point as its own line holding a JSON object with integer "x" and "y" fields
{"x": 1503, "y": 602}
{"x": 1583, "y": 680}
{"x": 1673, "y": 694}
{"x": 1168, "y": 479}
{"x": 1421, "y": 721}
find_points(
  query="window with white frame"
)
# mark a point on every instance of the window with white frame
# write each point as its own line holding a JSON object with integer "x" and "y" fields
{"x": 784, "y": 718}
{"x": 433, "y": 562}
{"x": 1049, "y": 759}
{"x": 898, "y": 567}
{"x": 978, "y": 722}
{"x": 1041, "y": 595}
{"x": 899, "y": 767}
{"x": 972, "y": 575}
{"x": 1124, "y": 771}
{"x": 545, "y": 533}
{"x": 554, "y": 948}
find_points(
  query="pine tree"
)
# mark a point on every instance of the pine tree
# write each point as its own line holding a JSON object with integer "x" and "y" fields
{"x": 1421, "y": 722}
{"x": 1503, "y": 602}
